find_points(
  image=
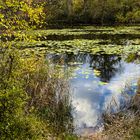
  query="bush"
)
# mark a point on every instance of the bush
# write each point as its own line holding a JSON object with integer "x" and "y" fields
{"x": 34, "y": 100}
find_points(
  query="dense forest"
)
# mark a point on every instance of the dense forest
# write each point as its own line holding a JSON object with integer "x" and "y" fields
{"x": 69, "y": 11}
{"x": 94, "y": 11}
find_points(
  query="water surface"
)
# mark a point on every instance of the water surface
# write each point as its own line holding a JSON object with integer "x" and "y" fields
{"x": 102, "y": 65}
{"x": 98, "y": 83}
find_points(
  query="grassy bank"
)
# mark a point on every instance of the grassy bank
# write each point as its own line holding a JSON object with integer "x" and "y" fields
{"x": 34, "y": 98}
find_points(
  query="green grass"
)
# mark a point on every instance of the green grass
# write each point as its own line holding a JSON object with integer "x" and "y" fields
{"x": 136, "y": 135}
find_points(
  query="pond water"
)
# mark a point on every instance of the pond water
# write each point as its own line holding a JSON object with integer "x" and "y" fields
{"x": 103, "y": 65}
{"x": 99, "y": 83}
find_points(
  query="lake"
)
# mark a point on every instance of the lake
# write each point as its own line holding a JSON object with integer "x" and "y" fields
{"x": 103, "y": 64}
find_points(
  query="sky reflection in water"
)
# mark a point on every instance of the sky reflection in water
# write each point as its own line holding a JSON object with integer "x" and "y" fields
{"x": 92, "y": 92}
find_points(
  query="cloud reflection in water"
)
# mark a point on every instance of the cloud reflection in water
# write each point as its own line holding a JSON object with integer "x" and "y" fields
{"x": 90, "y": 98}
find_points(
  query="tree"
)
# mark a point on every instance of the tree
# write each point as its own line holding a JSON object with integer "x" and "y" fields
{"x": 69, "y": 8}
{"x": 21, "y": 14}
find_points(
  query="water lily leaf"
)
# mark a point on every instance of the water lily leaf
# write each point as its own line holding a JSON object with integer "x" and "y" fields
{"x": 96, "y": 72}
{"x": 87, "y": 76}
{"x": 102, "y": 83}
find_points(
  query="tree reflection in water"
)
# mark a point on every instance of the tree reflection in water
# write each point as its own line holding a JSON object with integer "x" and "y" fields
{"x": 108, "y": 65}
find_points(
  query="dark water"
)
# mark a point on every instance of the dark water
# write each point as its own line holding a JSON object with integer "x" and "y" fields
{"x": 97, "y": 85}
{"x": 90, "y": 36}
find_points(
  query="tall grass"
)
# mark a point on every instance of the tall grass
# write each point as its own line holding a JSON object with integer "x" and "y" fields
{"x": 34, "y": 98}
{"x": 124, "y": 124}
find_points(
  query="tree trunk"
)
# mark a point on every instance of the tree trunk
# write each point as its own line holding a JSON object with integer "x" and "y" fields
{"x": 103, "y": 4}
{"x": 69, "y": 8}
{"x": 85, "y": 6}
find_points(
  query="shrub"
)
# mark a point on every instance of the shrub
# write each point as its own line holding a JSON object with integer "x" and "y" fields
{"x": 34, "y": 100}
